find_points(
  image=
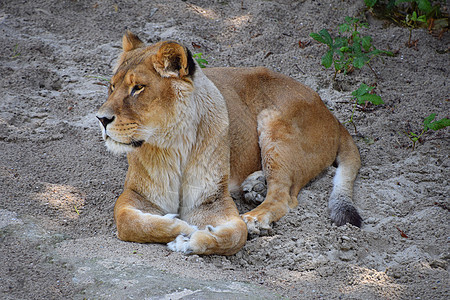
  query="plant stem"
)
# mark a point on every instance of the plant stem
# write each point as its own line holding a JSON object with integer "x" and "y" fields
{"x": 374, "y": 73}
{"x": 410, "y": 33}
{"x": 351, "y": 118}
{"x": 414, "y": 138}
{"x": 353, "y": 113}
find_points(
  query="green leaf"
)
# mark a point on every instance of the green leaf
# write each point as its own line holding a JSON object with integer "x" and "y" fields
{"x": 322, "y": 37}
{"x": 360, "y": 61}
{"x": 397, "y": 2}
{"x": 374, "y": 99}
{"x": 317, "y": 37}
{"x": 369, "y": 140}
{"x": 327, "y": 37}
{"x": 366, "y": 43}
{"x": 428, "y": 120}
{"x": 365, "y": 25}
{"x": 377, "y": 52}
{"x": 344, "y": 27}
{"x": 424, "y": 5}
{"x": 370, "y": 3}
{"x": 442, "y": 123}
{"x": 340, "y": 42}
{"x": 327, "y": 59}
{"x": 201, "y": 61}
{"x": 356, "y": 47}
{"x": 339, "y": 66}
{"x": 363, "y": 89}
{"x": 362, "y": 95}
{"x": 341, "y": 55}
{"x": 422, "y": 18}
{"x": 351, "y": 20}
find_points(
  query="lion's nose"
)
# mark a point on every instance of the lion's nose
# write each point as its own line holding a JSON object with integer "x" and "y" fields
{"x": 105, "y": 120}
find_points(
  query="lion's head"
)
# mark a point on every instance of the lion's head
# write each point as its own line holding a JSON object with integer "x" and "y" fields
{"x": 148, "y": 94}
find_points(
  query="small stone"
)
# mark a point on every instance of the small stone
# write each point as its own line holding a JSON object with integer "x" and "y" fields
{"x": 345, "y": 238}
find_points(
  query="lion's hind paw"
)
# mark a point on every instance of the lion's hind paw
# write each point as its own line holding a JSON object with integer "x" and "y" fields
{"x": 255, "y": 188}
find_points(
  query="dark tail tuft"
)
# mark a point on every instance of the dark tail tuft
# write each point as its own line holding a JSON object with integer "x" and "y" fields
{"x": 342, "y": 211}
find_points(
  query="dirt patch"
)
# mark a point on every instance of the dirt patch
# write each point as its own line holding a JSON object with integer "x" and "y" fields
{"x": 58, "y": 183}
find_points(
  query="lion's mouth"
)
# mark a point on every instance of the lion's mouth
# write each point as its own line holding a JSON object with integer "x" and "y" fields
{"x": 136, "y": 144}
{"x": 133, "y": 143}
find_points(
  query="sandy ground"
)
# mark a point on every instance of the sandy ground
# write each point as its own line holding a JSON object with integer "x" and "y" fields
{"x": 58, "y": 182}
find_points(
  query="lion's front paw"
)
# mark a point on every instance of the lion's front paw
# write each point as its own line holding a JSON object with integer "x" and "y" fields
{"x": 257, "y": 225}
{"x": 181, "y": 244}
{"x": 255, "y": 188}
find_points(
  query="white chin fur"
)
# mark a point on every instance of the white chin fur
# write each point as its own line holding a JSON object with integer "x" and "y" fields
{"x": 117, "y": 148}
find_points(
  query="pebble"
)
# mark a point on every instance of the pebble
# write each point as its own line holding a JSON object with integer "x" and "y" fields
{"x": 345, "y": 238}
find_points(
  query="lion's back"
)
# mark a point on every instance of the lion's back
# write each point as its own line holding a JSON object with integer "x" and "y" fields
{"x": 247, "y": 92}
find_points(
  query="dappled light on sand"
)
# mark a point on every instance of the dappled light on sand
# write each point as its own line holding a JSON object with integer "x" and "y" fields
{"x": 64, "y": 198}
{"x": 239, "y": 21}
{"x": 204, "y": 12}
{"x": 354, "y": 281}
{"x": 375, "y": 281}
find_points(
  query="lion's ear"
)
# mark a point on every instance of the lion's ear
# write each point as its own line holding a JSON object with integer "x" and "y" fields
{"x": 173, "y": 60}
{"x": 130, "y": 41}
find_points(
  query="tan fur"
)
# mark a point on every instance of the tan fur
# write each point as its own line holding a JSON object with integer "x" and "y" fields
{"x": 190, "y": 137}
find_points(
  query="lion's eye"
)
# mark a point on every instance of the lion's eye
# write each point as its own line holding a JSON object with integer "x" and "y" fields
{"x": 137, "y": 89}
{"x": 111, "y": 87}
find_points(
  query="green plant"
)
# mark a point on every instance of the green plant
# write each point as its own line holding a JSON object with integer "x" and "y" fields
{"x": 16, "y": 52}
{"x": 201, "y": 61}
{"x": 370, "y": 3}
{"x": 423, "y": 5}
{"x": 362, "y": 96}
{"x": 427, "y": 125}
{"x": 349, "y": 49}
{"x": 411, "y": 21}
{"x": 402, "y": 12}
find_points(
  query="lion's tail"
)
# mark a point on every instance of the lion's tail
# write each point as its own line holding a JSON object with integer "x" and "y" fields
{"x": 348, "y": 160}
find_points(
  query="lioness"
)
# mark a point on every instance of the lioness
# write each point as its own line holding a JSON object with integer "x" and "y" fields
{"x": 192, "y": 135}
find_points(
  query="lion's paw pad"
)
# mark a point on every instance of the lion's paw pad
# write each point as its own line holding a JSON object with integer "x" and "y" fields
{"x": 181, "y": 244}
{"x": 255, "y": 188}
